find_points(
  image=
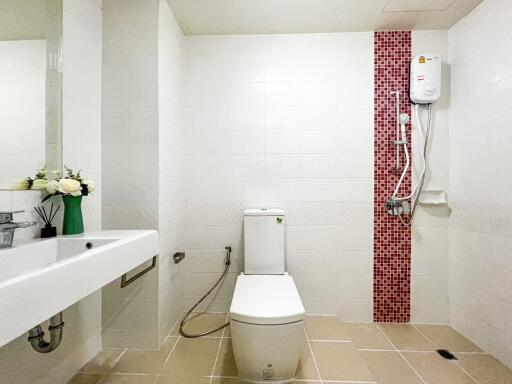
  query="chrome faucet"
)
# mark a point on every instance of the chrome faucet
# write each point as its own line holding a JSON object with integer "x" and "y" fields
{"x": 7, "y": 227}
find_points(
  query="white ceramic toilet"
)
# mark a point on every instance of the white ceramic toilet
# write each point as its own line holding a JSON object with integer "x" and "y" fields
{"x": 266, "y": 312}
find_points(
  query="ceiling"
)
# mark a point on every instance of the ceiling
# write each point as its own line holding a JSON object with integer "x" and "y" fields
{"x": 219, "y": 17}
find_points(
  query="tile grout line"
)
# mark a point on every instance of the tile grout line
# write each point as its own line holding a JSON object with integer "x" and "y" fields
{"x": 349, "y": 382}
{"x": 119, "y": 358}
{"x": 416, "y": 351}
{"x": 309, "y": 380}
{"x": 437, "y": 346}
{"x": 175, "y": 344}
{"x": 313, "y": 355}
{"x": 467, "y": 373}
{"x": 332, "y": 341}
{"x": 171, "y": 352}
{"x": 400, "y": 354}
{"x": 102, "y": 373}
{"x": 218, "y": 349}
{"x": 475, "y": 353}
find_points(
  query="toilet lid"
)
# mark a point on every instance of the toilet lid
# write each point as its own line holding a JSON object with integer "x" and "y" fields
{"x": 266, "y": 299}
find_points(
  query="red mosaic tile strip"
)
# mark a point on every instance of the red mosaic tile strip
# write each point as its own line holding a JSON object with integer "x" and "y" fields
{"x": 392, "y": 240}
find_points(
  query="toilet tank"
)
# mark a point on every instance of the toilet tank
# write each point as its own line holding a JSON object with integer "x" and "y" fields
{"x": 264, "y": 241}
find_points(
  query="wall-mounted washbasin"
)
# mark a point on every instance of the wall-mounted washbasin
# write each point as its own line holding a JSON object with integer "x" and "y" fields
{"x": 44, "y": 277}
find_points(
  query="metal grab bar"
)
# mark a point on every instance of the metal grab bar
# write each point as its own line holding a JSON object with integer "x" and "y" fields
{"x": 125, "y": 282}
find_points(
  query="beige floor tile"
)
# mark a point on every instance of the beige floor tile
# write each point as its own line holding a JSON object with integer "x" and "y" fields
{"x": 226, "y": 365}
{"x": 227, "y": 331}
{"x": 325, "y": 328}
{"x": 103, "y": 362}
{"x": 315, "y": 382}
{"x": 182, "y": 380}
{"x": 306, "y": 369}
{"x": 127, "y": 379}
{"x": 201, "y": 322}
{"x": 367, "y": 336}
{"x": 145, "y": 361}
{"x": 389, "y": 368}
{"x": 436, "y": 370}
{"x": 340, "y": 361}
{"x": 192, "y": 357}
{"x": 85, "y": 379}
{"x": 485, "y": 369}
{"x": 445, "y": 337}
{"x": 225, "y": 380}
{"x": 406, "y": 337}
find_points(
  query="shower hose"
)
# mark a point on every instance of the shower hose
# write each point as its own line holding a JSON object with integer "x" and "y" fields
{"x": 187, "y": 318}
{"x": 414, "y": 196}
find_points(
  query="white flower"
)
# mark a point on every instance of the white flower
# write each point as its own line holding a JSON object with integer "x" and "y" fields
{"x": 52, "y": 187}
{"x": 40, "y": 184}
{"x": 22, "y": 185}
{"x": 69, "y": 187}
{"x": 90, "y": 185}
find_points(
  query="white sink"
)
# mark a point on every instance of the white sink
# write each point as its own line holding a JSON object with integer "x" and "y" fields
{"x": 44, "y": 277}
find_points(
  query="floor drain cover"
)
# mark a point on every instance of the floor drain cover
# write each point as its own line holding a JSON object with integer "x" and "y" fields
{"x": 446, "y": 354}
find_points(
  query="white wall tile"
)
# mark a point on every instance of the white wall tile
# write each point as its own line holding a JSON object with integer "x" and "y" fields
{"x": 479, "y": 177}
{"x": 143, "y": 160}
{"x": 318, "y": 142}
{"x": 430, "y": 226}
{"x": 282, "y": 165}
{"x": 282, "y": 141}
{"x": 303, "y": 142}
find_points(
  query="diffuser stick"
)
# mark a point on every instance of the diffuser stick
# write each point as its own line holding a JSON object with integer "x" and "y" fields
{"x": 54, "y": 214}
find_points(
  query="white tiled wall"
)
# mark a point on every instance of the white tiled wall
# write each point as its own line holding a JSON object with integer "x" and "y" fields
{"x": 81, "y": 99}
{"x": 54, "y": 84}
{"x": 143, "y": 57}
{"x": 81, "y": 132}
{"x": 130, "y": 114}
{"x": 171, "y": 58}
{"x": 284, "y": 121}
{"x": 130, "y": 159}
{"x": 429, "y": 275}
{"x": 480, "y": 178}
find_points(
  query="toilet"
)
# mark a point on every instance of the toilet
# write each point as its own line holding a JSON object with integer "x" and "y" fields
{"x": 266, "y": 314}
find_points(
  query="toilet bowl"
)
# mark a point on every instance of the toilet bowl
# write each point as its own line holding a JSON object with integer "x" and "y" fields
{"x": 267, "y": 328}
{"x": 266, "y": 314}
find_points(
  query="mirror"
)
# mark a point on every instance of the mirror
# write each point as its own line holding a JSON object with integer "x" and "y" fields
{"x": 30, "y": 91}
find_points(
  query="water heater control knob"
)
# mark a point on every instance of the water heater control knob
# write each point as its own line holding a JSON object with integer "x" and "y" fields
{"x": 429, "y": 89}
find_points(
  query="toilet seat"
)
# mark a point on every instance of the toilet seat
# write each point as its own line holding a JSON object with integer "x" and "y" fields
{"x": 266, "y": 300}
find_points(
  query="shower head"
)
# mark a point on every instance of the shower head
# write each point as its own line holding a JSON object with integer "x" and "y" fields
{"x": 404, "y": 118}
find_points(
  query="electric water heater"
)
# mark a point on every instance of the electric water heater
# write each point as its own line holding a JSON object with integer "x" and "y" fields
{"x": 425, "y": 87}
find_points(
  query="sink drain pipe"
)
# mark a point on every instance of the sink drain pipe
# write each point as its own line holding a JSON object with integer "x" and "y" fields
{"x": 36, "y": 335}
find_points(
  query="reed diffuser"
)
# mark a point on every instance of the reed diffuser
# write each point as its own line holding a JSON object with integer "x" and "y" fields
{"x": 48, "y": 230}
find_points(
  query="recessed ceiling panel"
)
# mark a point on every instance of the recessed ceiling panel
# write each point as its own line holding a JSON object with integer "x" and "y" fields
{"x": 417, "y": 5}
{"x": 229, "y": 17}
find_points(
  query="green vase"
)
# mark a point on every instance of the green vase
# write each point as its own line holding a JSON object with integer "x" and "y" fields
{"x": 73, "y": 222}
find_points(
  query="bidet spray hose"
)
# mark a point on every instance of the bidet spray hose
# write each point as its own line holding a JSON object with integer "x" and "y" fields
{"x": 187, "y": 318}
